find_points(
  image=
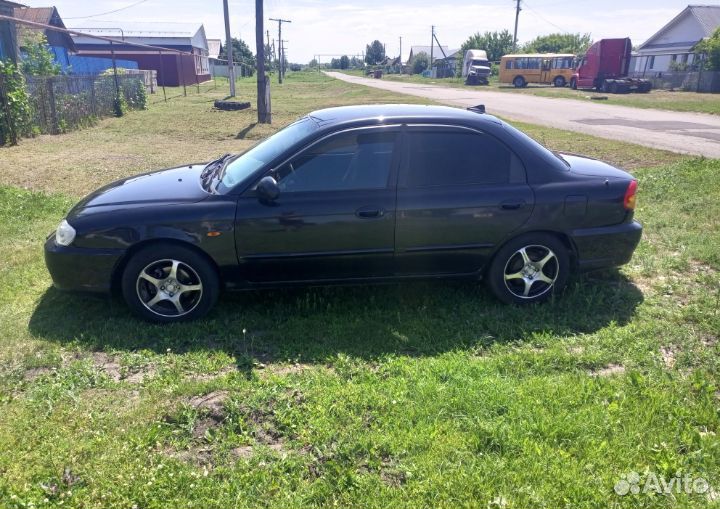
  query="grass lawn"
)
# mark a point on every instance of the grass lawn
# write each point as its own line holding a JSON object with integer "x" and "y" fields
{"x": 412, "y": 395}
{"x": 656, "y": 99}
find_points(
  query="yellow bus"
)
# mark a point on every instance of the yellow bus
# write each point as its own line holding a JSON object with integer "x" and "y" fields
{"x": 546, "y": 68}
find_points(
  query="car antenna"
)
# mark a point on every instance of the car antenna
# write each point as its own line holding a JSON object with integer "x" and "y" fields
{"x": 480, "y": 108}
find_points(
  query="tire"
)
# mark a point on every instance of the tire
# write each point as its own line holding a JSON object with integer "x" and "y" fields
{"x": 605, "y": 87}
{"x": 153, "y": 293}
{"x": 613, "y": 88}
{"x": 519, "y": 82}
{"x": 573, "y": 83}
{"x": 529, "y": 281}
{"x": 559, "y": 82}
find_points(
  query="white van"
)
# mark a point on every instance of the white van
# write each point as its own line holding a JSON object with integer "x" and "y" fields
{"x": 476, "y": 68}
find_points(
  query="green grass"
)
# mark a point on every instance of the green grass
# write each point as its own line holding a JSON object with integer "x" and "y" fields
{"x": 657, "y": 99}
{"x": 412, "y": 395}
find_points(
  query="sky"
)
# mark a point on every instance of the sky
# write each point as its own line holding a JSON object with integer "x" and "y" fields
{"x": 346, "y": 26}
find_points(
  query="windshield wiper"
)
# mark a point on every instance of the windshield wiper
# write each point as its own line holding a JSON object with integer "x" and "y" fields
{"x": 212, "y": 167}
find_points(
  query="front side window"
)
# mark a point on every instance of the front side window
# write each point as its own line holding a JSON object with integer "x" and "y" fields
{"x": 444, "y": 158}
{"x": 347, "y": 161}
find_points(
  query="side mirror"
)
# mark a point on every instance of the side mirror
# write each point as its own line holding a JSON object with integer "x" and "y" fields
{"x": 267, "y": 189}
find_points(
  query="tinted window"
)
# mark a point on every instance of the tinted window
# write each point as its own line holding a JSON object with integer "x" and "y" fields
{"x": 456, "y": 158}
{"x": 354, "y": 160}
{"x": 509, "y": 64}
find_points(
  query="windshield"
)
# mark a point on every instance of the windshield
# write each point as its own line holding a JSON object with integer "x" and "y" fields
{"x": 264, "y": 152}
{"x": 479, "y": 62}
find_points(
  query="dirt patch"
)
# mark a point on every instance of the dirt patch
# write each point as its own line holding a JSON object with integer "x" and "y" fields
{"x": 668, "y": 356}
{"x": 206, "y": 377}
{"x": 33, "y": 373}
{"x": 212, "y": 408}
{"x": 576, "y": 350}
{"x": 110, "y": 366}
{"x": 609, "y": 370}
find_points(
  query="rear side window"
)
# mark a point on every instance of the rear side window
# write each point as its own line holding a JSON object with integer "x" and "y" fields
{"x": 444, "y": 158}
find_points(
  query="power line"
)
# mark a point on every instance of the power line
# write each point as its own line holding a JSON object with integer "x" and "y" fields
{"x": 544, "y": 18}
{"x": 107, "y": 12}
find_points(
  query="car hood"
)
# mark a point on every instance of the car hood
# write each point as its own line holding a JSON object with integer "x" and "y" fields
{"x": 592, "y": 167}
{"x": 174, "y": 185}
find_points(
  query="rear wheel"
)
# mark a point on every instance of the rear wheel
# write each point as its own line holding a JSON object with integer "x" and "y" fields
{"x": 529, "y": 269}
{"x": 167, "y": 283}
{"x": 614, "y": 87}
{"x": 559, "y": 81}
{"x": 519, "y": 82}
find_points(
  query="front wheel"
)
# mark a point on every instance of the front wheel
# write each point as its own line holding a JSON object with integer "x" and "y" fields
{"x": 168, "y": 283}
{"x": 529, "y": 269}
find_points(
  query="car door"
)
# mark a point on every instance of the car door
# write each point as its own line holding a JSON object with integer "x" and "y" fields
{"x": 335, "y": 215}
{"x": 460, "y": 193}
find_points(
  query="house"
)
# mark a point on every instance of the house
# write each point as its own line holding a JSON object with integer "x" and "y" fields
{"x": 8, "y": 32}
{"x": 674, "y": 42}
{"x": 436, "y": 52}
{"x": 173, "y": 69}
{"x": 446, "y": 67}
{"x": 61, "y": 44}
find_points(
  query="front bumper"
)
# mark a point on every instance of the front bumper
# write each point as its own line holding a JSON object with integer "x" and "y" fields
{"x": 607, "y": 246}
{"x": 79, "y": 269}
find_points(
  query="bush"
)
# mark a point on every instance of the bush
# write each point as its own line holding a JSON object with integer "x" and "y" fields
{"x": 420, "y": 63}
{"x": 15, "y": 111}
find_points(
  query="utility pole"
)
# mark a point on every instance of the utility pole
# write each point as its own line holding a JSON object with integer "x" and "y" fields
{"x": 228, "y": 49}
{"x": 280, "y": 49}
{"x": 517, "y": 15}
{"x": 401, "y": 60}
{"x": 283, "y": 69}
{"x": 263, "y": 87}
{"x": 432, "y": 42}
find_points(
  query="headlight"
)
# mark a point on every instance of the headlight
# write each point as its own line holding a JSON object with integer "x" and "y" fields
{"x": 65, "y": 234}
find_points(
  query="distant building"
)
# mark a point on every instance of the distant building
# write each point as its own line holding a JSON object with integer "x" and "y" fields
{"x": 172, "y": 69}
{"x": 446, "y": 67}
{"x": 61, "y": 44}
{"x": 8, "y": 32}
{"x": 675, "y": 41}
{"x": 436, "y": 52}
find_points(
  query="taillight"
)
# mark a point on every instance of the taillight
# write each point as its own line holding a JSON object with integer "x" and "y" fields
{"x": 630, "y": 195}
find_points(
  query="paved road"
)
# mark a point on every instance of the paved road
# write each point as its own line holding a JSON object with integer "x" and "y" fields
{"x": 691, "y": 133}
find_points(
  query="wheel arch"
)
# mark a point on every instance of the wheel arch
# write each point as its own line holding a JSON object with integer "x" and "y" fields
{"x": 564, "y": 238}
{"x": 115, "y": 281}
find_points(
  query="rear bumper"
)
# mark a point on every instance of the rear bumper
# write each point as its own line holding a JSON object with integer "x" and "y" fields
{"x": 607, "y": 246}
{"x": 78, "y": 269}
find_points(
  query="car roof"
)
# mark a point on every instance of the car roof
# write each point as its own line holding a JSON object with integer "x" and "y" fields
{"x": 398, "y": 112}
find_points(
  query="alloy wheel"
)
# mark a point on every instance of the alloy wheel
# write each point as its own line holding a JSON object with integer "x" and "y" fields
{"x": 169, "y": 288}
{"x": 531, "y": 271}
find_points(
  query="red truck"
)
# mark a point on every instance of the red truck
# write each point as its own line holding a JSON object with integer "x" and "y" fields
{"x": 605, "y": 68}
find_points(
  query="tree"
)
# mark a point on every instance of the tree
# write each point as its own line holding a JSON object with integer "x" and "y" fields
{"x": 344, "y": 62}
{"x": 241, "y": 55}
{"x": 374, "y": 52}
{"x": 313, "y": 63}
{"x": 335, "y": 63}
{"x": 356, "y": 63}
{"x": 496, "y": 44}
{"x": 711, "y": 48}
{"x": 559, "y": 43}
{"x": 37, "y": 57}
{"x": 420, "y": 62}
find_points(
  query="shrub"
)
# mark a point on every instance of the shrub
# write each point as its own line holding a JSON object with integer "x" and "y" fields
{"x": 15, "y": 111}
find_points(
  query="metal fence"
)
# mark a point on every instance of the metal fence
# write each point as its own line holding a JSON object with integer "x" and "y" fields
{"x": 61, "y": 103}
{"x": 692, "y": 81}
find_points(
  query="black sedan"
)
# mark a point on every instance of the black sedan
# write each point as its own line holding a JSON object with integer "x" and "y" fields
{"x": 352, "y": 195}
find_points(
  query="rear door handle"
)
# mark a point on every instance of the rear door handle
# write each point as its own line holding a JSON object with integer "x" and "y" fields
{"x": 369, "y": 212}
{"x": 512, "y": 205}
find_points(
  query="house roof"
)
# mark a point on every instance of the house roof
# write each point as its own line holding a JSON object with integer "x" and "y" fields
{"x": 46, "y": 16}
{"x": 707, "y": 16}
{"x": 153, "y": 33}
{"x": 414, "y": 50}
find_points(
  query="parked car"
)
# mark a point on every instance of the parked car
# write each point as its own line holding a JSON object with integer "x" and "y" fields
{"x": 354, "y": 194}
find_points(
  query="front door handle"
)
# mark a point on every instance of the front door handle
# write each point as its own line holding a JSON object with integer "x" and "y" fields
{"x": 369, "y": 212}
{"x": 512, "y": 205}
